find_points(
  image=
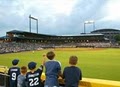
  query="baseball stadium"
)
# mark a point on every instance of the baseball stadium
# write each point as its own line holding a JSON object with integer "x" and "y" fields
{"x": 98, "y": 54}
{"x": 59, "y": 43}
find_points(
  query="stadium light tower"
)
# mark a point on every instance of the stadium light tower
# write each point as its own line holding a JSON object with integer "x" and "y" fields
{"x": 33, "y": 18}
{"x": 89, "y": 22}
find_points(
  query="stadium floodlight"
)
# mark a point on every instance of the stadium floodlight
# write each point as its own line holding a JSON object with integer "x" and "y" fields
{"x": 89, "y": 22}
{"x": 30, "y": 17}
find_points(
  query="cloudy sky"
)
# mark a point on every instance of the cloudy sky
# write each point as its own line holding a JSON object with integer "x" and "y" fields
{"x": 59, "y": 17}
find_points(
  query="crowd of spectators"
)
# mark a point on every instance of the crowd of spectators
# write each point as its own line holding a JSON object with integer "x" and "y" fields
{"x": 10, "y": 47}
{"x": 95, "y": 44}
{"x": 18, "y": 47}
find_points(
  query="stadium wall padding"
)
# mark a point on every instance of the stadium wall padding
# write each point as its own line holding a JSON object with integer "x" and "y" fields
{"x": 85, "y": 82}
{"x": 89, "y": 82}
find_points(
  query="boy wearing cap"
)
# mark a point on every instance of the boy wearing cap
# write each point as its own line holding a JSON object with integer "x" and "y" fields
{"x": 22, "y": 77}
{"x": 72, "y": 74}
{"x": 14, "y": 72}
{"x": 53, "y": 71}
{"x": 33, "y": 77}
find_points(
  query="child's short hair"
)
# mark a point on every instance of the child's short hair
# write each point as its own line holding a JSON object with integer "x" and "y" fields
{"x": 73, "y": 60}
{"x": 50, "y": 55}
{"x": 23, "y": 69}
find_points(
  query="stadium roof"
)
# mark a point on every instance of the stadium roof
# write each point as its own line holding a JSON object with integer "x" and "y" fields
{"x": 24, "y": 32}
{"x": 101, "y": 30}
{"x": 4, "y": 37}
{"x": 90, "y": 34}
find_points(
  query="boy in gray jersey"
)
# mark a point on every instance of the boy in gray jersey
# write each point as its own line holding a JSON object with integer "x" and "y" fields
{"x": 21, "y": 78}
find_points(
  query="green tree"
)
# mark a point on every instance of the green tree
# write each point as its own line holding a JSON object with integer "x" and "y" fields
{"x": 117, "y": 37}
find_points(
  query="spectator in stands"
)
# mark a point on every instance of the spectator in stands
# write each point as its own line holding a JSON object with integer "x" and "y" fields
{"x": 53, "y": 70}
{"x": 14, "y": 72}
{"x": 22, "y": 77}
{"x": 72, "y": 74}
{"x": 33, "y": 77}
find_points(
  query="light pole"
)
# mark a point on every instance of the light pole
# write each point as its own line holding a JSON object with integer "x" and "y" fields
{"x": 30, "y": 17}
{"x": 89, "y": 22}
{"x": 84, "y": 28}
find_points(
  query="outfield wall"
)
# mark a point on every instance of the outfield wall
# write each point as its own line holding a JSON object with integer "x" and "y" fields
{"x": 88, "y": 82}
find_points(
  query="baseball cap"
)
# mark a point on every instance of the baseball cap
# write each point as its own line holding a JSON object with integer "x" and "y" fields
{"x": 15, "y": 61}
{"x": 32, "y": 65}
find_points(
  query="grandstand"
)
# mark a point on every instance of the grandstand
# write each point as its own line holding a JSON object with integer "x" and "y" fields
{"x": 21, "y": 36}
{"x": 108, "y": 33}
{"x": 17, "y": 41}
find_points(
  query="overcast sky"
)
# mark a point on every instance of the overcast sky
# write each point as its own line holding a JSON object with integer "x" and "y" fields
{"x": 59, "y": 17}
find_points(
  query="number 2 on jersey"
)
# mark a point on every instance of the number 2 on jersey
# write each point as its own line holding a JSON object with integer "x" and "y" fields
{"x": 34, "y": 82}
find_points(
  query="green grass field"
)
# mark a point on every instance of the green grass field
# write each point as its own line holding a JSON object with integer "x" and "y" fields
{"x": 95, "y": 63}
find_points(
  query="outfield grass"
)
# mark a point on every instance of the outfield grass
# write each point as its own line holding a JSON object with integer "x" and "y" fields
{"x": 94, "y": 63}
